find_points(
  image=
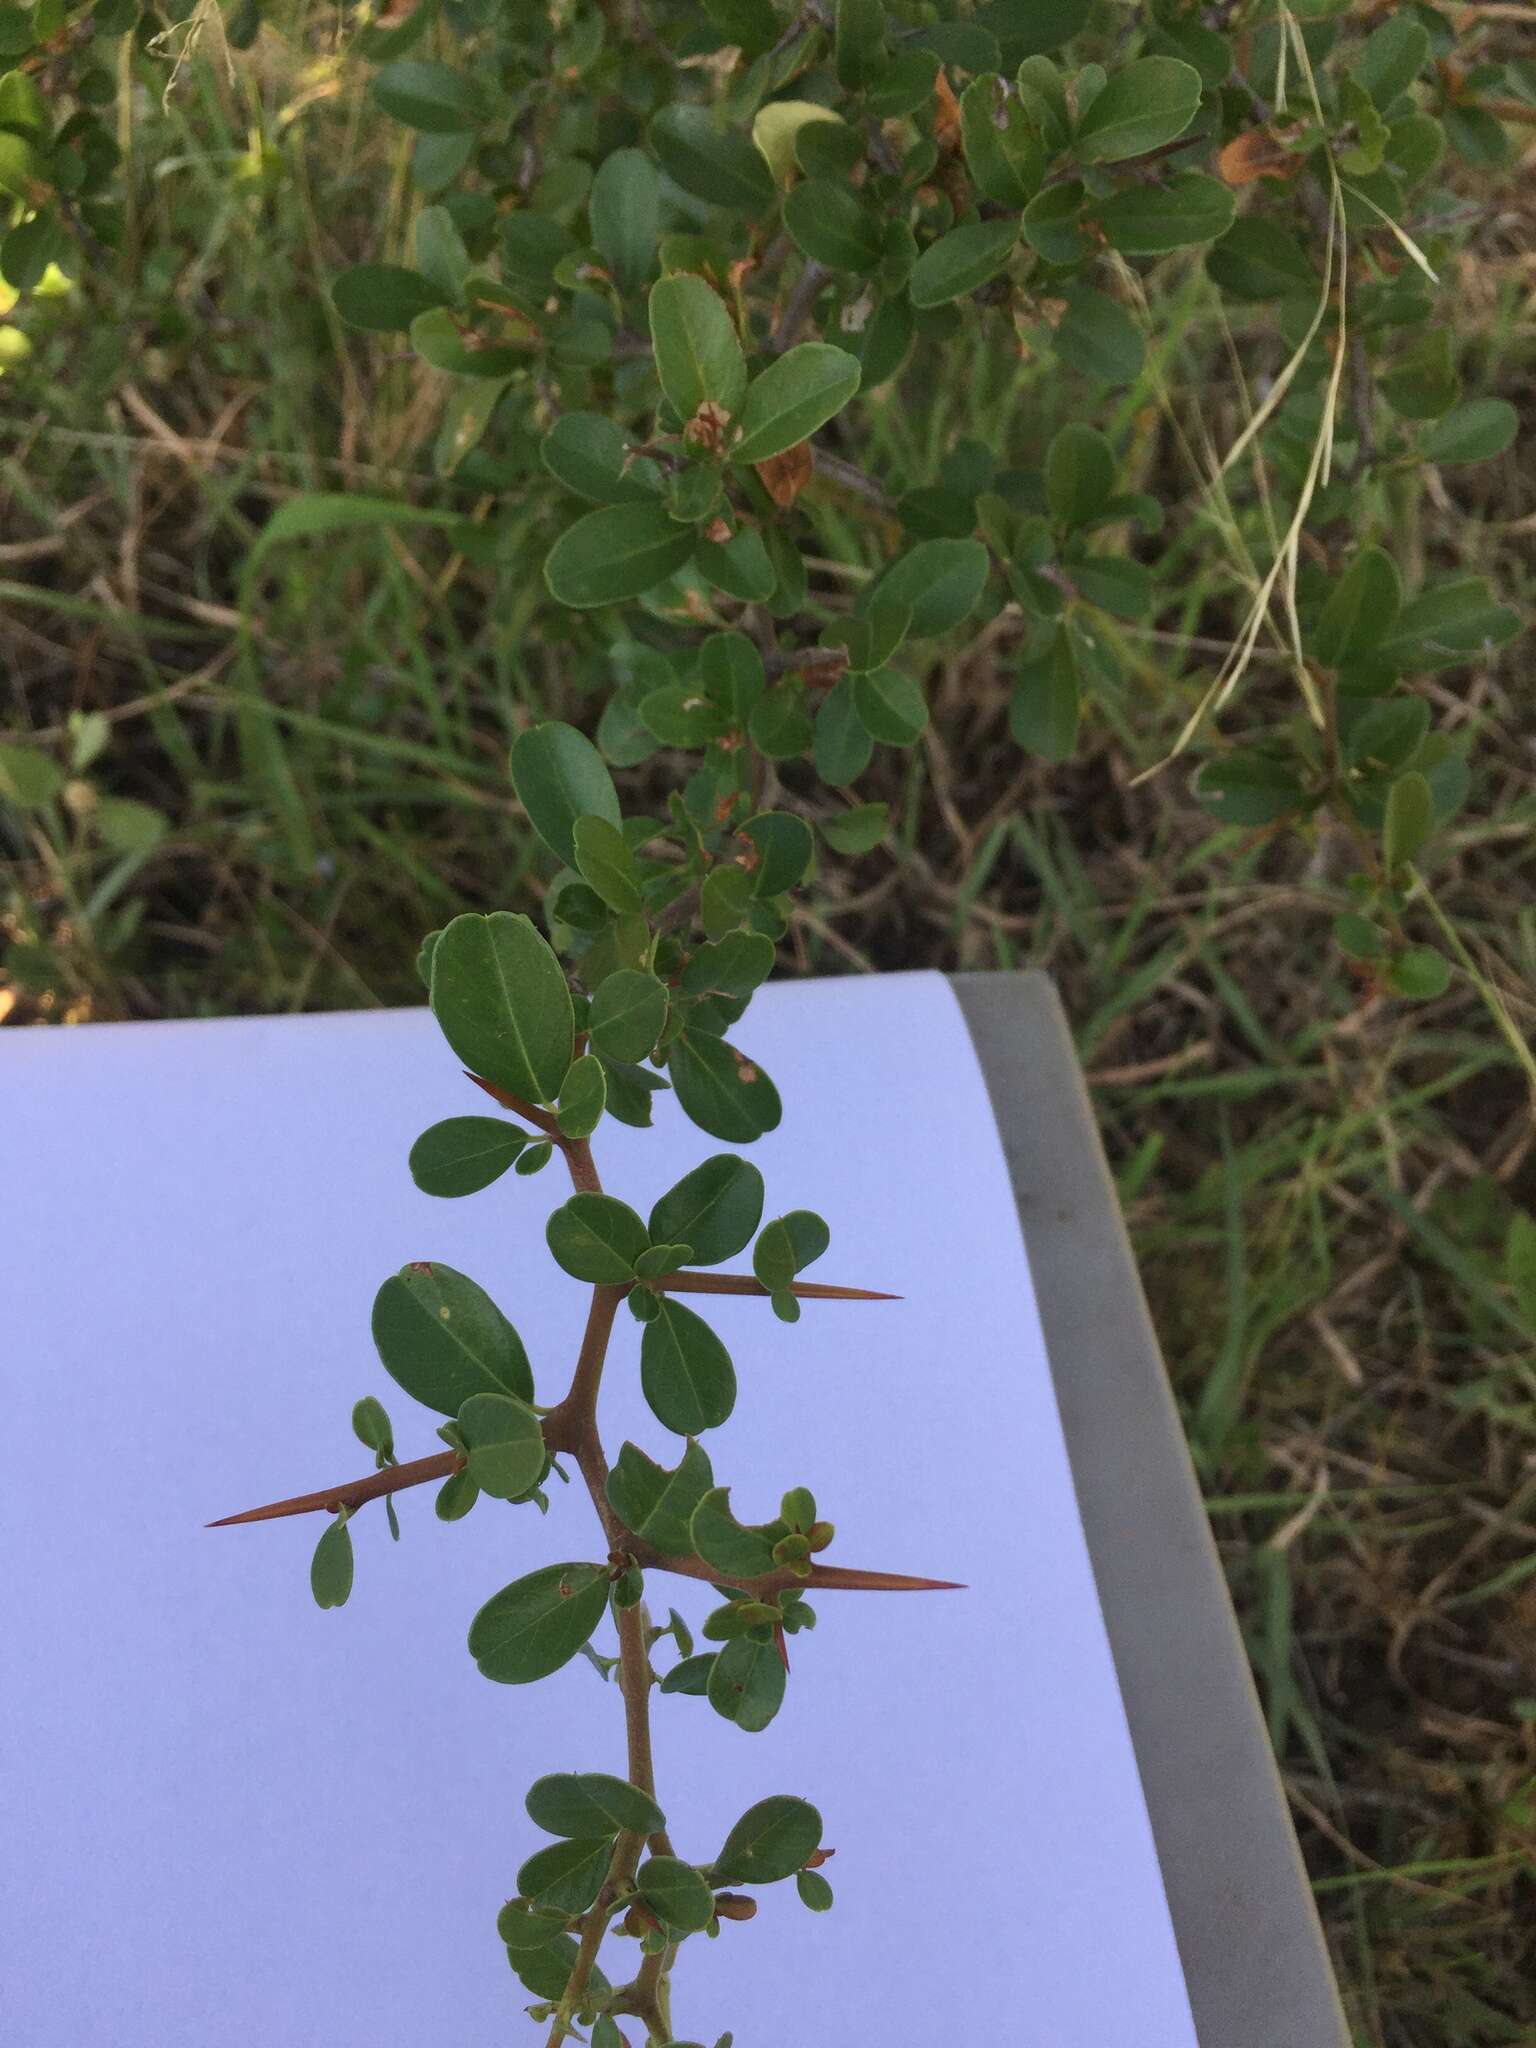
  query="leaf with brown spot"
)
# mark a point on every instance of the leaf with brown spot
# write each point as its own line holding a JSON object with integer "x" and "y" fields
{"x": 785, "y": 476}
{"x": 1256, "y": 154}
{"x": 946, "y": 120}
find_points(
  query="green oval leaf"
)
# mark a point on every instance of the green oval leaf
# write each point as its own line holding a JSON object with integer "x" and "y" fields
{"x": 1473, "y": 432}
{"x": 686, "y": 1373}
{"x": 463, "y": 1154}
{"x": 831, "y": 224}
{"x": 565, "y": 1877}
{"x": 856, "y": 831}
{"x": 629, "y": 1012}
{"x": 524, "y": 1931}
{"x": 783, "y": 846}
{"x": 740, "y": 566}
{"x": 1047, "y": 700}
{"x": 1142, "y": 106}
{"x": 384, "y": 298}
{"x": 788, "y": 401}
{"x": 547, "y": 1971}
{"x": 589, "y": 454}
{"x": 937, "y": 583}
{"x": 597, "y": 1238}
{"x": 724, "y": 169}
{"x": 731, "y": 966}
{"x": 538, "y": 1623}
{"x": 860, "y": 43}
{"x": 505, "y": 1444}
{"x": 589, "y": 1804}
{"x": 443, "y": 1339}
{"x": 1248, "y": 788}
{"x": 559, "y": 776}
{"x": 1079, "y": 474}
{"x": 583, "y": 1097}
{"x": 1258, "y": 258}
{"x": 961, "y": 261}
{"x": 1147, "y": 220}
{"x": 618, "y": 552}
{"x": 891, "y": 706}
{"x": 787, "y": 1246}
{"x": 1052, "y": 224}
{"x": 28, "y": 779}
{"x": 1098, "y": 336}
{"x": 691, "y": 1676}
{"x": 456, "y": 1496}
{"x": 371, "y": 1426}
{"x": 330, "y": 1571}
{"x": 676, "y": 1893}
{"x": 1420, "y": 973}
{"x": 440, "y": 339}
{"x": 772, "y": 1840}
{"x": 1003, "y": 151}
{"x": 716, "y": 1208}
{"x": 500, "y": 998}
{"x": 746, "y": 1684}
{"x": 1446, "y": 625}
{"x": 698, "y": 357}
{"x": 624, "y": 212}
{"x": 1410, "y": 819}
{"x": 1025, "y": 28}
{"x": 1360, "y": 610}
{"x": 1394, "y": 55}
{"x": 430, "y": 97}
{"x": 724, "y": 1094}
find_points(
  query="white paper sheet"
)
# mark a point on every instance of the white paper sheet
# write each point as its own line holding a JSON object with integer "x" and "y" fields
{"x": 233, "y": 1821}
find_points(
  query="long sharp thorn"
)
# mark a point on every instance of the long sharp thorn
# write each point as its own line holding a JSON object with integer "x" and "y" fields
{"x": 845, "y": 1578}
{"x": 687, "y": 1282}
{"x": 352, "y": 1493}
{"x": 513, "y": 1102}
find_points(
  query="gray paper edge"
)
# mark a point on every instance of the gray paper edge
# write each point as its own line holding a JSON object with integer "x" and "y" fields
{"x": 1248, "y": 1934}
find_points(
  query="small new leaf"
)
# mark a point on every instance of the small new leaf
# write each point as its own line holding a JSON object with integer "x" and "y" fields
{"x": 735, "y": 1549}
{"x": 1410, "y": 819}
{"x": 583, "y": 1096}
{"x": 330, "y": 1572}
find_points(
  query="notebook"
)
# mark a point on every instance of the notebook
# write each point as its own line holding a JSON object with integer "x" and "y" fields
{"x": 231, "y": 1820}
